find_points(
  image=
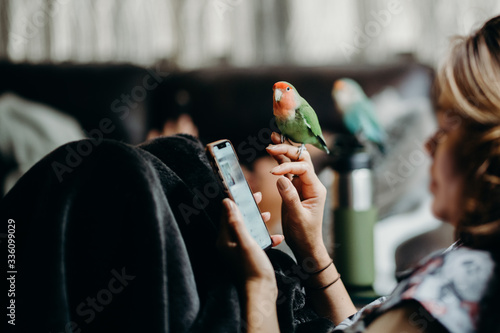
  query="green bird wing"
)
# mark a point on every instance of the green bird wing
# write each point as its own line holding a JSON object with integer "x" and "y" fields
{"x": 310, "y": 118}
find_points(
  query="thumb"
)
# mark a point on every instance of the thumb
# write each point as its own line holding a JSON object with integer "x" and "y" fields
{"x": 289, "y": 195}
{"x": 224, "y": 238}
{"x": 236, "y": 224}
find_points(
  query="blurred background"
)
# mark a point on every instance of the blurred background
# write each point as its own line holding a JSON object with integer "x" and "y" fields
{"x": 192, "y": 34}
{"x": 131, "y": 70}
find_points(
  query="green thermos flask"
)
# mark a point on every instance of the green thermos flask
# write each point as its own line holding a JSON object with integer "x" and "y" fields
{"x": 354, "y": 217}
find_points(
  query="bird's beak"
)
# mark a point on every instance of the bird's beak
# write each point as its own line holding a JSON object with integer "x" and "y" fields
{"x": 277, "y": 95}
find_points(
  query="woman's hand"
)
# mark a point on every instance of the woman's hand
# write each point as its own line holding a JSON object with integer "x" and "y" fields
{"x": 303, "y": 201}
{"x": 302, "y": 218}
{"x": 241, "y": 250}
{"x": 252, "y": 267}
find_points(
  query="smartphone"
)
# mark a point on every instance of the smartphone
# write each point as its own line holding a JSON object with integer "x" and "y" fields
{"x": 225, "y": 164}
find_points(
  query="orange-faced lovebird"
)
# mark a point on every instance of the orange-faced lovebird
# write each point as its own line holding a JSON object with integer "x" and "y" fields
{"x": 295, "y": 118}
{"x": 358, "y": 112}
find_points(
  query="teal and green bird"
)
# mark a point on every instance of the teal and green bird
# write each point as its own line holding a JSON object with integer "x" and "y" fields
{"x": 358, "y": 112}
{"x": 295, "y": 118}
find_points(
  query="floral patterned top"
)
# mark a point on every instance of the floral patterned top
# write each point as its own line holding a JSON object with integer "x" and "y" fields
{"x": 449, "y": 285}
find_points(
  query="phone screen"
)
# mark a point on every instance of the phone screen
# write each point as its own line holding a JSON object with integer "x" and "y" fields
{"x": 241, "y": 193}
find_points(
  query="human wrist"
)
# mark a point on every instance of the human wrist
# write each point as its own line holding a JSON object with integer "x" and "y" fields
{"x": 314, "y": 256}
{"x": 261, "y": 288}
{"x": 260, "y": 307}
{"x": 323, "y": 279}
{"x": 260, "y": 300}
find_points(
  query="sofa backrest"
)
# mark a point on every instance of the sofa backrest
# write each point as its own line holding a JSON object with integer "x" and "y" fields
{"x": 90, "y": 93}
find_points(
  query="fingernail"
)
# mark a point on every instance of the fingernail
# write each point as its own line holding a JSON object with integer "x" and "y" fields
{"x": 275, "y": 169}
{"x": 229, "y": 204}
{"x": 271, "y": 147}
{"x": 282, "y": 183}
{"x": 277, "y": 242}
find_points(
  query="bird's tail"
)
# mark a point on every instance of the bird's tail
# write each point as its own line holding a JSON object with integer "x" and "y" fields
{"x": 381, "y": 147}
{"x": 322, "y": 145}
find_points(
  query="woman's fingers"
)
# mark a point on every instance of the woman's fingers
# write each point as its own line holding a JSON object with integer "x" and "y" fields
{"x": 258, "y": 197}
{"x": 278, "y": 157}
{"x": 309, "y": 185}
{"x": 275, "y": 138}
{"x": 283, "y": 153}
{"x": 289, "y": 195}
{"x": 236, "y": 225}
{"x": 225, "y": 238}
{"x": 233, "y": 230}
{"x": 266, "y": 216}
{"x": 302, "y": 169}
{"x": 277, "y": 239}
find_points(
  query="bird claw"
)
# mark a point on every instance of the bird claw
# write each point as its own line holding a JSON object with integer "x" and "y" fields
{"x": 300, "y": 150}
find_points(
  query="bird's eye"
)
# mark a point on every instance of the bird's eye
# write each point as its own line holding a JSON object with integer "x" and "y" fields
{"x": 287, "y": 88}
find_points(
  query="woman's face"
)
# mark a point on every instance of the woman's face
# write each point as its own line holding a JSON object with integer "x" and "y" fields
{"x": 446, "y": 179}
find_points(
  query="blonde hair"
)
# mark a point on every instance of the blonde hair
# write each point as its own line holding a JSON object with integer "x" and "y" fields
{"x": 468, "y": 86}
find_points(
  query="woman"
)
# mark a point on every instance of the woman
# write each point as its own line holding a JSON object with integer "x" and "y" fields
{"x": 454, "y": 291}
